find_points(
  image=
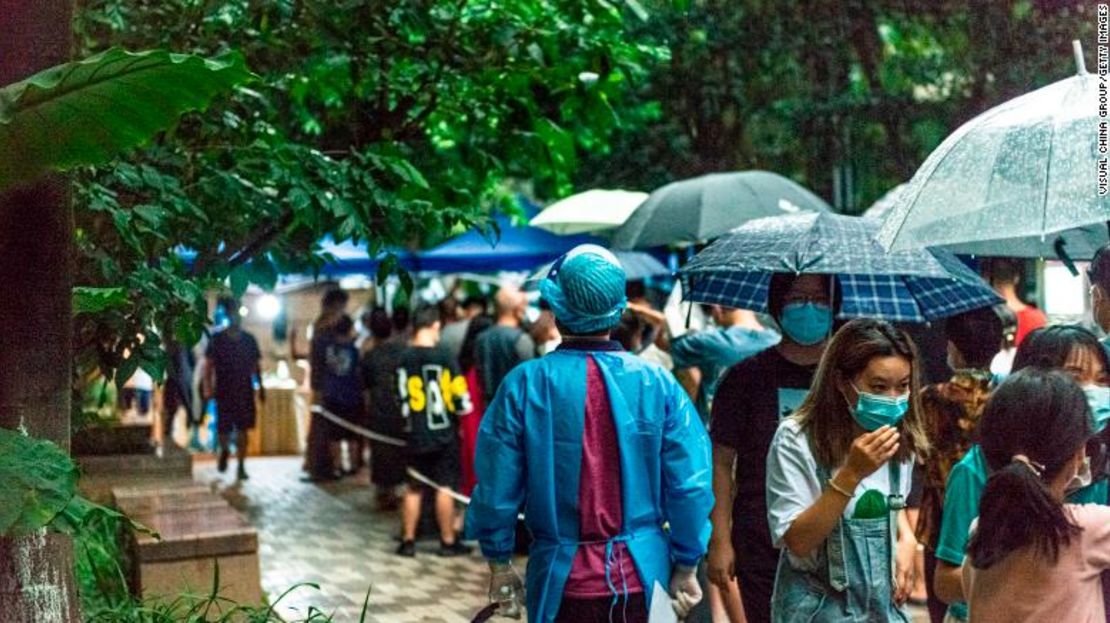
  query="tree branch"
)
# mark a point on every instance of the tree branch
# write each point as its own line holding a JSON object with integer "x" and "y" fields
{"x": 248, "y": 248}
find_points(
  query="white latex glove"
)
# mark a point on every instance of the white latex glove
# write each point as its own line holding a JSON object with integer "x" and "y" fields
{"x": 684, "y": 589}
{"x": 506, "y": 589}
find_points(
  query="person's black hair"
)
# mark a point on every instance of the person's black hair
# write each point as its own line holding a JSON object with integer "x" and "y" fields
{"x": 781, "y": 284}
{"x": 476, "y": 301}
{"x": 448, "y": 308}
{"x": 335, "y": 297}
{"x": 1049, "y": 347}
{"x": 1002, "y": 269}
{"x": 468, "y": 355}
{"x": 1099, "y": 270}
{"x": 401, "y": 318}
{"x": 425, "y": 316}
{"x": 230, "y": 305}
{"x": 379, "y": 323}
{"x": 630, "y": 328}
{"x": 635, "y": 289}
{"x": 344, "y": 325}
{"x": 1039, "y": 416}
{"x": 977, "y": 334}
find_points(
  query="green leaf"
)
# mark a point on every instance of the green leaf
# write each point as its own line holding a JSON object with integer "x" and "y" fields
{"x": 88, "y": 111}
{"x": 638, "y": 9}
{"x": 80, "y": 511}
{"x": 39, "y": 481}
{"x": 238, "y": 280}
{"x": 96, "y": 300}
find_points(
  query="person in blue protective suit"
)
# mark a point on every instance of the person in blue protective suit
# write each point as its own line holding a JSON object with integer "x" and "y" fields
{"x": 607, "y": 458}
{"x": 838, "y": 474}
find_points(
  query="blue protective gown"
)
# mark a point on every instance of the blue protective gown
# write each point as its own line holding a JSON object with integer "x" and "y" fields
{"x": 529, "y": 456}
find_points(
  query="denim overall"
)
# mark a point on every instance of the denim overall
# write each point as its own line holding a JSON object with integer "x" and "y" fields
{"x": 854, "y": 576}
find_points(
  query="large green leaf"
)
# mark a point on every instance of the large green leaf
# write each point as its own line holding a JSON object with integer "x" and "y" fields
{"x": 87, "y": 300}
{"x": 88, "y": 111}
{"x": 39, "y": 482}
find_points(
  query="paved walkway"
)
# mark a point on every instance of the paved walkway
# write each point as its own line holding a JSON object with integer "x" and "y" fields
{"x": 331, "y": 535}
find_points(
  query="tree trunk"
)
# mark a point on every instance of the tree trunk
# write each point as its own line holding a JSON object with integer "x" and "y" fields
{"x": 36, "y": 232}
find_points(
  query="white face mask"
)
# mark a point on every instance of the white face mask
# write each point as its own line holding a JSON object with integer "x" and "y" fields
{"x": 1082, "y": 478}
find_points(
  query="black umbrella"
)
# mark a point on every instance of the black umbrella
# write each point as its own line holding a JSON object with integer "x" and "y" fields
{"x": 703, "y": 208}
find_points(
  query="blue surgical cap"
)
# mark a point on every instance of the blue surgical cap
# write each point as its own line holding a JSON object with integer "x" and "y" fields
{"x": 586, "y": 291}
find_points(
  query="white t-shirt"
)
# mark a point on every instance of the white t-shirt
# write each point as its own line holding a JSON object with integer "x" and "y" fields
{"x": 140, "y": 380}
{"x": 793, "y": 485}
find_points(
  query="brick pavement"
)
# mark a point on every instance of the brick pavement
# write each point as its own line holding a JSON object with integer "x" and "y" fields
{"x": 331, "y": 535}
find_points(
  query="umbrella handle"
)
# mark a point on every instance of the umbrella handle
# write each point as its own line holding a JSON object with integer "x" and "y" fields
{"x": 1062, "y": 253}
{"x": 1080, "y": 64}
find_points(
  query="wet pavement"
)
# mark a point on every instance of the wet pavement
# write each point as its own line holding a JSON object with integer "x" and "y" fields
{"x": 331, "y": 535}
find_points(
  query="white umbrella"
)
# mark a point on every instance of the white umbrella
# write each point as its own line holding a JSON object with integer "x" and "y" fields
{"x": 587, "y": 212}
{"x": 1027, "y": 168}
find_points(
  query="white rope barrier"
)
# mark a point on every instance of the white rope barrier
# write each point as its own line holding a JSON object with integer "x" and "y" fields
{"x": 355, "y": 428}
{"x": 393, "y": 441}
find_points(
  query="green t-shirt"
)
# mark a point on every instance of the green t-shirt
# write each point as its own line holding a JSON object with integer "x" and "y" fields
{"x": 965, "y": 486}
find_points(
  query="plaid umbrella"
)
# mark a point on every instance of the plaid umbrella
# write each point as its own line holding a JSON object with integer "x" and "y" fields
{"x": 916, "y": 285}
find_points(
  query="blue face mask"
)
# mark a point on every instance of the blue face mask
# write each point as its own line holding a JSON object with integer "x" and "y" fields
{"x": 1098, "y": 397}
{"x": 806, "y": 323}
{"x": 873, "y": 411}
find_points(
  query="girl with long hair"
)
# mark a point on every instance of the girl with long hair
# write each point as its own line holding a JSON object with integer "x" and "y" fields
{"x": 1066, "y": 348}
{"x": 1033, "y": 556}
{"x": 838, "y": 473}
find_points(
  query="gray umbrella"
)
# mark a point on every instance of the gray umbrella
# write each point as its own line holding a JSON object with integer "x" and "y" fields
{"x": 702, "y": 208}
{"x": 1019, "y": 173}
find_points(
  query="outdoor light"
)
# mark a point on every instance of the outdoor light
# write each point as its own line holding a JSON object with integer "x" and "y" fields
{"x": 243, "y": 311}
{"x": 268, "y": 306}
{"x": 588, "y": 78}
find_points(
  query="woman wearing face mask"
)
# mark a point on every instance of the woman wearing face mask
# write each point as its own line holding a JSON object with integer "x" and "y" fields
{"x": 751, "y": 399}
{"x": 837, "y": 476}
{"x": 1045, "y": 565}
{"x": 1070, "y": 349}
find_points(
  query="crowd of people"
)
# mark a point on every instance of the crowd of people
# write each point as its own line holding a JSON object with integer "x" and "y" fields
{"x": 790, "y": 465}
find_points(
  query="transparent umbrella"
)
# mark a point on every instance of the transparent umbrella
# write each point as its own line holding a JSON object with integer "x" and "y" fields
{"x": 1014, "y": 177}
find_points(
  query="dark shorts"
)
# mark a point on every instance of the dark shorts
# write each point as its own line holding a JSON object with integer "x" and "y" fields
{"x": 441, "y": 466}
{"x": 756, "y": 567}
{"x": 229, "y": 420}
{"x": 598, "y": 610}
{"x": 350, "y": 413}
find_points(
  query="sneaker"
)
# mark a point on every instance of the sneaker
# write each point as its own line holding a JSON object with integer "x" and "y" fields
{"x": 454, "y": 549}
{"x": 407, "y": 549}
{"x": 221, "y": 465}
{"x": 242, "y": 473}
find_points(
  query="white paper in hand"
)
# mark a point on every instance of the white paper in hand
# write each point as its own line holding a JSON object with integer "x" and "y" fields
{"x": 661, "y": 609}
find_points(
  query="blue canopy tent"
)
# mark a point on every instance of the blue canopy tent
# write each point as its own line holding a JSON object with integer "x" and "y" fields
{"x": 508, "y": 248}
{"x": 513, "y": 248}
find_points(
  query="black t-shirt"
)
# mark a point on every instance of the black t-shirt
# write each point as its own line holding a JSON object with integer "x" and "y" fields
{"x": 498, "y": 350}
{"x": 751, "y": 399}
{"x": 234, "y": 356}
{"x": 432, "y": 394}
{"x": 379, "y": 377}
